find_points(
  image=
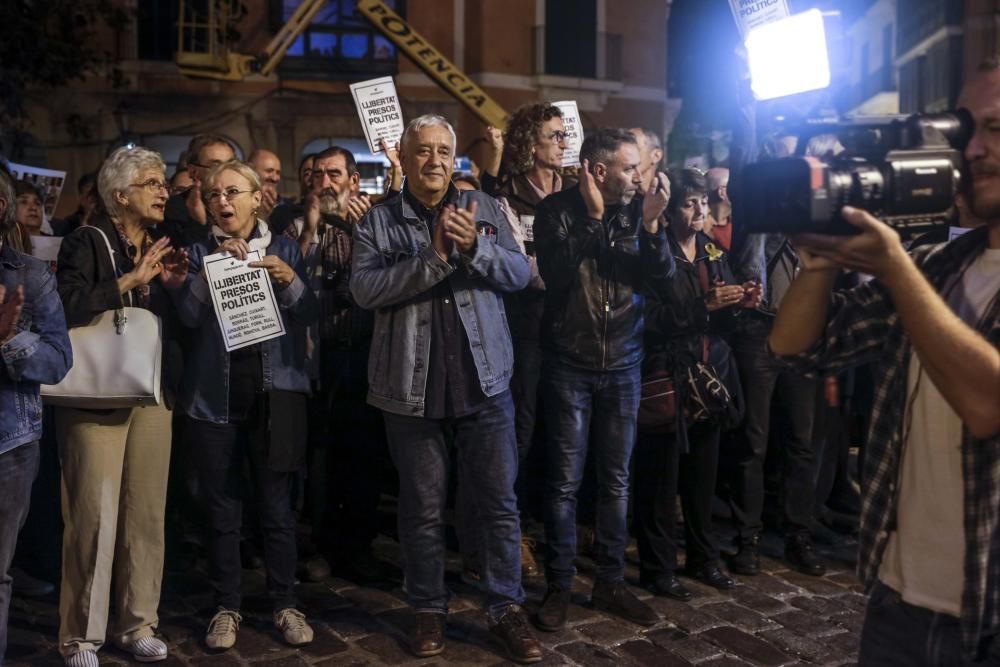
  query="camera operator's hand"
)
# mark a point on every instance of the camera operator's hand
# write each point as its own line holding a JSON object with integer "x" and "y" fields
{"x": 876, "y": 250}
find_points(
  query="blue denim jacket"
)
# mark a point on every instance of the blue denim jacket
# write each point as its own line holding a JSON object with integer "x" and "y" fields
{"x": 39, "y": 353}
{"x": 393, "y": 268}
{"x": 205, "y": 388}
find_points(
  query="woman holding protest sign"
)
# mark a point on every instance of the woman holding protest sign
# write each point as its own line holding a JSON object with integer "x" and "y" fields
{"x": 115, "y": 461}
{"x": 244, "y": 391}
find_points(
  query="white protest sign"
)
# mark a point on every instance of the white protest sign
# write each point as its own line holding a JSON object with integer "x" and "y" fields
{"x": 46, "y": 248}
{"x": 574, "y": 132}
{"x": 48, "y": 181}
{"x": 528, "y": 227}
{"x": 750, "y": 14}
{"x": 379, "y": 110}
{"x": 243, "y": 299}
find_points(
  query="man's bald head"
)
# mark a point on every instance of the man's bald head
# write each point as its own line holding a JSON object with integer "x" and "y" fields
{"x": 718, "y": 177}
{"x": 266, "y": 164}
{"x": 650, "y": 154}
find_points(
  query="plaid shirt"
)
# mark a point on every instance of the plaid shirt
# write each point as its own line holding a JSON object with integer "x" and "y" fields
{"x": 863, "y": 326}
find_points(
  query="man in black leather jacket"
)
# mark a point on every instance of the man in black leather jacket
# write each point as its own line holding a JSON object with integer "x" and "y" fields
{"x": 596, "y": 243}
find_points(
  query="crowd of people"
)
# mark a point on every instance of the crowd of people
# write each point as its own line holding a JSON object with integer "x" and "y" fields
{"x": 585, "y": 347}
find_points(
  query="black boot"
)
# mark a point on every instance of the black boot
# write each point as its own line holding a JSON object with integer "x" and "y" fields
{"x": 747, "y": 559}
{"x": 551, "y": 616}
{"x": 801, "y": 555}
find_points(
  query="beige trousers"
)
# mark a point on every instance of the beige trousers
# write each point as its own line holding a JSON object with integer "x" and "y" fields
{"x": 114, "y": 491}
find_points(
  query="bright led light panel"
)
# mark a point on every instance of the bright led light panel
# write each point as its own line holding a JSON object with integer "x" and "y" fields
{"x": 788, "y": 56}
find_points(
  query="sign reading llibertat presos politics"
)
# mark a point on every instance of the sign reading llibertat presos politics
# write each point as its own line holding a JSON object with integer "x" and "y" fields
{"x": 243, "y": 299}
{"x": 574, "y": 132}
{"x": 379, "y": 110}
{"x": 750, "y": 14}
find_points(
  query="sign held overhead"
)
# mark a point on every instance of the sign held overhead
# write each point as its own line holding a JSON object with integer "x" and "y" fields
{"x": 750, "y": 14}
{"x": 574, "y": 132}
{"x": 379, "y": 110}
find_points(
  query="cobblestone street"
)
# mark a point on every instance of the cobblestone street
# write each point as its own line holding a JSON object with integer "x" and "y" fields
{"x": 779, "y": 617}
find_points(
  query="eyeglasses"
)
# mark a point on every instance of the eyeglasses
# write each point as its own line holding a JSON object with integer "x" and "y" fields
{"x": 558, "y": 136}
{"x": 152, "y": 185}
{"x": 215, "y": 196}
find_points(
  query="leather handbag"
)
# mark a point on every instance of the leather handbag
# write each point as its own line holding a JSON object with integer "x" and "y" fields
{"x": 116, "y": 359}
{"x": 658, "y": 403}
{"x": 708, "y": 396}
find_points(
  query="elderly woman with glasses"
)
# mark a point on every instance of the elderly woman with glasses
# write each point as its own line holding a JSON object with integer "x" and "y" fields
{"x": 114, "y": 462}
{"x": 247, "y": 404}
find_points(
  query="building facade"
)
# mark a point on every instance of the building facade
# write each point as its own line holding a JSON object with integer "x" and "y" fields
{"x": 609, "y": 57}
{"x": 939, "y": 43}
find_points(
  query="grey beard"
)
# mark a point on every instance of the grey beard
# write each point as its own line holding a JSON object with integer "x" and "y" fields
{"x": 332, "y": 206}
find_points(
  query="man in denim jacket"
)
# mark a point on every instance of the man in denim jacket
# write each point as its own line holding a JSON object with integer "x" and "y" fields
{"x": 34, "y": 349}
{"x": 432, "y": 263}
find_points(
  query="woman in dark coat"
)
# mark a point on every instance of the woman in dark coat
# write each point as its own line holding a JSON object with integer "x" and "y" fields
{"x": 686, "y": 316}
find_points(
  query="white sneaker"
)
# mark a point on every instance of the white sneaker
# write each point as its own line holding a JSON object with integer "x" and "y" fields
{"x": 146, "y": 649}
{"x": 83, "y": 659}
{"x": 222, "y": 630}
{"x": 293, "y": 626}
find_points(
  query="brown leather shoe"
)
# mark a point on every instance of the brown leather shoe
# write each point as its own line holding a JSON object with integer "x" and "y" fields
{"x": 513, "y": 631}
{"x": 529, "y": 567}
{"x": 428, "y": 634}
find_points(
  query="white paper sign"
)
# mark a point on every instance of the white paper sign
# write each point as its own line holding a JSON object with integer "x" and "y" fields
{"x": 750, "y": 14}
{"x": 48, "y": 181}
{"x": 574, "y": 132}
{"x": 243, "y": 299}
{"x": 955, "y": 232}
{"x": 46, "y": 248}
{"x": 379, "y": 110}
{"x": 528, "y": 227}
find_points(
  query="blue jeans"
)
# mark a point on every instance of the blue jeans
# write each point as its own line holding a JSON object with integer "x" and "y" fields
{"x": 583, "y": 407}
{"x": 487, "y": 465}
{"x": 897, "y": 634}
{"x": 18, "y": 468}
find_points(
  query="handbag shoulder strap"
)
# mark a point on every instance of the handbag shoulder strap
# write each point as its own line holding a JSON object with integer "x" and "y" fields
{"x": 111, "y": 256}
{"x": 705, "y": 286}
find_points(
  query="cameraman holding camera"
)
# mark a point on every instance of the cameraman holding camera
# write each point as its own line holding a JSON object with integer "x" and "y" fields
{"x": 929, "y": 541}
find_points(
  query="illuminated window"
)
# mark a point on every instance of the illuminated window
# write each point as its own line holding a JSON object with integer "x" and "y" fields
{"x": 339, "y": 43}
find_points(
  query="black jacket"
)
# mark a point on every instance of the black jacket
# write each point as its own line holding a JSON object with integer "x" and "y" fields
{"x": 677, "y": 318}
{"x": 593, "y": 272}
{"x": 678, "y": 323}
{"x": 88, "y": 286}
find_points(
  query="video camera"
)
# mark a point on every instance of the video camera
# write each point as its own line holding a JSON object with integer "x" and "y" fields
{"x": 906, "y": 171}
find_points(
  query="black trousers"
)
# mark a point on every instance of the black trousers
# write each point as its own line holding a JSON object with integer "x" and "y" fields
{"x": 661, "y": 469}
{"x": 765, "y": 379}
{"x": 221, "y": 493}
{"x": 348, "y": 456}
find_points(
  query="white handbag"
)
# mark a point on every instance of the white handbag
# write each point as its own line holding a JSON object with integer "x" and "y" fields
{"x": 116, "y": 359}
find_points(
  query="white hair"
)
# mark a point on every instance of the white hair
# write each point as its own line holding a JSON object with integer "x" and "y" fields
{"x": 428, "y": 120}
{"x": 120, "y": 170}
{"x": 9, "y": 198}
